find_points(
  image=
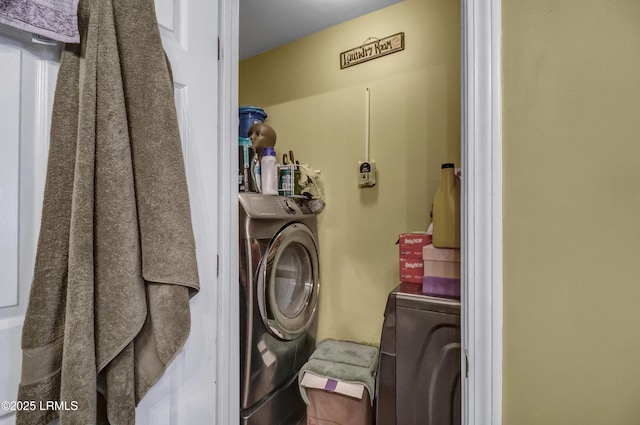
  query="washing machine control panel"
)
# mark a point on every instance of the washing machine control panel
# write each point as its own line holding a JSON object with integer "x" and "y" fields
{"x": 288, "y": 205}
{"x": 269, "y": 206}
{"x": 296, "y": 205}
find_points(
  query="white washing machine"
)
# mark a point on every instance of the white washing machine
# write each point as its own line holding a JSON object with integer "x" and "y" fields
{"x": 279, "y": 286}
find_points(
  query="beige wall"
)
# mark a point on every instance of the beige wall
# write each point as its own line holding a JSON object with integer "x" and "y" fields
{"x": 318, "y": 111}
{"x": 571, "y": 212}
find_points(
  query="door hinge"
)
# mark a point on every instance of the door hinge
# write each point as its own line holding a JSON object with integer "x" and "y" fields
{"x": 466, "y": 364}
{"x": 218, "y": 48}
{"x": 217, "y": 265}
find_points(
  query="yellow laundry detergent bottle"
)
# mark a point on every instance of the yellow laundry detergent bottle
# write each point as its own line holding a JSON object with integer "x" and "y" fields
{"x": 446, "y": 210}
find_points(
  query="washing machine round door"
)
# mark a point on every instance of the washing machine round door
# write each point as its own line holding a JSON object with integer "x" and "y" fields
{"x": 288, "y": 282}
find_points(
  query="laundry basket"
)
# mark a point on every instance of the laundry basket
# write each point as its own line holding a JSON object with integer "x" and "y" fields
{"x": 338, "y": 382}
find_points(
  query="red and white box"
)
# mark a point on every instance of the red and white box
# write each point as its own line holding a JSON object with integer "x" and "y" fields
{"x": 441, "y": 272}
{"x": 411, "y": 270}
{"x": 411, "y": 244}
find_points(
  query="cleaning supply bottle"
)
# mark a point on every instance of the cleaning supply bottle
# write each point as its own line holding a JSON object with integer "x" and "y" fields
{"x": 269, "y": 172}
{"x": 255, "y": 173}
{"x": 446, "y": 210}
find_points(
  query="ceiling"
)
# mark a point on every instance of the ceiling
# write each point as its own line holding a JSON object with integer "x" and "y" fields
{"x": 267, "y": 24}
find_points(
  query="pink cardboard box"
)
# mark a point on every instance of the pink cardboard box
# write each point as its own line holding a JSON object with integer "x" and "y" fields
{"x": 441, "y": 272}
{"x": 431, "y": 253}
{"x": 411, "y": 244}
{"x": 411, "y": 270}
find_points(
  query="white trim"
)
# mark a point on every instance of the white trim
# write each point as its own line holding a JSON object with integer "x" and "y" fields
{"x": 482, "y": 211}
{"x": 228, "y": 346}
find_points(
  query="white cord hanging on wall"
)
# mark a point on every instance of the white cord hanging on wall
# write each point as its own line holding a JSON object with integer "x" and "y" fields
{"x": 367, "y": 168}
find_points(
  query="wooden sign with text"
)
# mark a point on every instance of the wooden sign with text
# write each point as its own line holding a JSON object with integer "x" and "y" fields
{"x": 375, "y": 49}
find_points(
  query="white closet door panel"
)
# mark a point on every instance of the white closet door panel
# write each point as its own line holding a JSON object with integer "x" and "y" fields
{"x": 27, "y": 82}
{"x": 10, "y": 73}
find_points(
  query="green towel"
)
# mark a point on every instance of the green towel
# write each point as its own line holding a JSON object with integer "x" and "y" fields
{"x": 345, "y": 361}
{"x": 116, "y": 263}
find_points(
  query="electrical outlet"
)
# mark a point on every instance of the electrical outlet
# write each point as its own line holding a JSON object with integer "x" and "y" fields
{"x": 367, "y": 173}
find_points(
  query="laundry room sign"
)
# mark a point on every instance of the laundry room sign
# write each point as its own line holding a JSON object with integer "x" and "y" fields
{"x": 373, "y": 50}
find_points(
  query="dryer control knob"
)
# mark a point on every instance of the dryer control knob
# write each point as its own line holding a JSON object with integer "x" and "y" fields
{"x": 289, "y": 206}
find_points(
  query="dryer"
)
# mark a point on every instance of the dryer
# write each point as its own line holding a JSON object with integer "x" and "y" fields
{"x": 419, "y": 371}
{"x": 279, "y": 288}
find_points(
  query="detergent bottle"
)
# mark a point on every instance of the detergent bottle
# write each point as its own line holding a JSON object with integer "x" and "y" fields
{"x": 446, "y": 210}
{"x": 269, "y": 172}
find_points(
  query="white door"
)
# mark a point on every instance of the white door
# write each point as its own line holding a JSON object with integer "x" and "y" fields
{"x": 27, "y": 81}
{"x": 187, "y": 392}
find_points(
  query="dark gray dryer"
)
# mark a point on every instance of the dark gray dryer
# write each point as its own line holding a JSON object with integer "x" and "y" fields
{"x": 420, "y": 357}
{"x": 279, "y": 284}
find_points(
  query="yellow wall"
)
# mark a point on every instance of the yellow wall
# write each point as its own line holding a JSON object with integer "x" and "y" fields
{"x": 318, "y": 111}
{"x": 571, "y": 212}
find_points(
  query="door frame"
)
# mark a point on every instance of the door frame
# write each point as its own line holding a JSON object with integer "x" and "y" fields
{"x": 481, "y": 116}
{"x": 481, "y": 121}
{"x": 228, "y": 301}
